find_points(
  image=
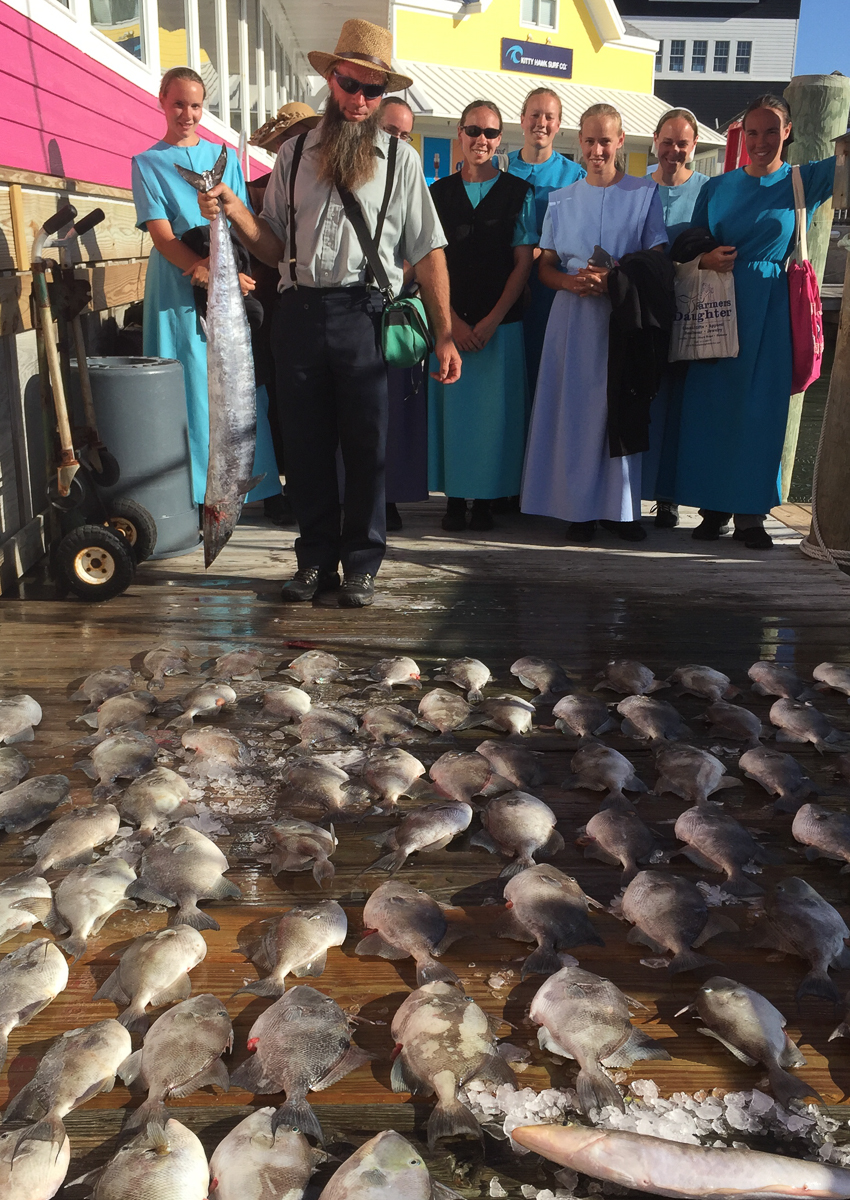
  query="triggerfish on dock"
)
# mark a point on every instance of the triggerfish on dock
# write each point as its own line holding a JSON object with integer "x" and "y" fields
{"x": 230, "y": 376}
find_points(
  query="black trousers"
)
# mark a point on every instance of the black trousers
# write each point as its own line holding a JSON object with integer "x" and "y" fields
{"x": 331, "y": 382}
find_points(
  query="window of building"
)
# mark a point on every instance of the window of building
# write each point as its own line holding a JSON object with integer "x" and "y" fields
{"x": 743, "y": 57}
{"x": 208, "y": 39}
{"x": 268, "y": 66}
{"x": 281, "y": 78}
{"x": 234, "y": 77}
{"x": 699, "y": 56}
{"x": 677, "y": 55}
{"x": 121, "y": 22}
{"x": 253, "y": 40}
{"x": 721, "y": 57}
{"x": 542, "y": 13}
{"x": 173, "y": 51}
{"x": 659, "y": 57}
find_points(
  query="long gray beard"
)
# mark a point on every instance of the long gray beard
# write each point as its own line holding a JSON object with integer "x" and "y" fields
{"x": 346, "y": 148}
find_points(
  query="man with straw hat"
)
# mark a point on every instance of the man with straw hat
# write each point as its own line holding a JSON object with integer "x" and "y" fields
{"x": 291, "y": 120}
{"x": 332, "y": 380}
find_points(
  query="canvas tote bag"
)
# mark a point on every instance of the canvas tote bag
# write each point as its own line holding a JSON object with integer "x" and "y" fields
{"x": 706, "y": 322}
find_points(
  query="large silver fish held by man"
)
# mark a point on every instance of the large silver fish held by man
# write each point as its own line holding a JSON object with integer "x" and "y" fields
{"x": 230, "y": 380}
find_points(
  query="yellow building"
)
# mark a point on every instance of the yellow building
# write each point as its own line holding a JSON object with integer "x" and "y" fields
{"x": 501, "y": 49}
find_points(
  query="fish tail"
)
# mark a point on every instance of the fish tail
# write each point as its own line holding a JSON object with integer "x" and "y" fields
{"x": 26, "y": 1106}
{"x": 298, "y": 1115}
{"x": 190, "y": 914}
{"x": 596, "y": 1090}
{"x": 390, "y": 862}
{"x": 323, "y": 871}
{"x": 74, "y": 946}
{"x": 474, "y": 697}
{"x": 452, "y": 1119}
{"x": 519, "y": 864}
{"x": 428, "y": 970}
{"x": 688, "y": 960}
{"x": 184, "y": 721}
{"x": 818, "y": 983}
{"x": 49, "y": 1129}
{"x": 786, "y": 1087}
{"x": 263, "y": 987}
{"x": 134, "y": 1020}
{"x": 152, "y": 1111}
{"x": 740, "y": 885}
{"x": 542, "y": 961}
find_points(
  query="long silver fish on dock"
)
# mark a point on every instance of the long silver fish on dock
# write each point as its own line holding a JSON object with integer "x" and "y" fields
{"x": 230, "y": 379}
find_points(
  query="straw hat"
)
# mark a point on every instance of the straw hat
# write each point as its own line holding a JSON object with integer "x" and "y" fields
{"x": 290, "y": 119}
{"x": 367, "y": 45}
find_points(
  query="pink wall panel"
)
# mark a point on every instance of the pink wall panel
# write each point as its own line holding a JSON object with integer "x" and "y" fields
{"x": 65, "y": 114}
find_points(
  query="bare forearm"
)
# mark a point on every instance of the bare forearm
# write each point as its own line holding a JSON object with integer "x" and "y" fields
{"x": 170, "y": 247}
{"x": 551, "y": 277}
{"x": 433, "y": 278}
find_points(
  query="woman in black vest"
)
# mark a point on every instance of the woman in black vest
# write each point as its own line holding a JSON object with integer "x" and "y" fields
{"x": 477, "y": 427}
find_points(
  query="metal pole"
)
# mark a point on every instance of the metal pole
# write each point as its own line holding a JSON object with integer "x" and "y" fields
{"x": 819, "y": 109}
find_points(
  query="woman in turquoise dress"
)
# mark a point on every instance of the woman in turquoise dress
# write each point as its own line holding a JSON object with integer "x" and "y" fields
{"x": 678, "y": 186}
{"x": 476, "y": 427}
{"x": 167, "y": 206}
{"x": 735, "y": 410}
{"x": 539, "y": 164}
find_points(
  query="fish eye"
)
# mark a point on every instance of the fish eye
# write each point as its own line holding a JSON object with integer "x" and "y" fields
{"x": 414, "y": 1162}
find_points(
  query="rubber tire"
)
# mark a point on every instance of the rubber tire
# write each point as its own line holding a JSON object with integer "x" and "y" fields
{"x": 74, "y": 499}
{"x": 119, "y": 563}
{"x": 111, "y": 472}
{"x": 129, "y": 516}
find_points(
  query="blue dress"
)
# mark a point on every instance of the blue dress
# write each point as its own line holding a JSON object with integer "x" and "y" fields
{"x": 658, "y": 472}
{"x": 569, "y": 472}
{"x": 735, "y": 410}
{"x": 171, "y": 325}
{"x": 476, "y": 427}
{"x": 546, "y": 177}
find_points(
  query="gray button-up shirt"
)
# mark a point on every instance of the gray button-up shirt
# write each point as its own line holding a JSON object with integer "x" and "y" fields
{"x": 328, "y": 252}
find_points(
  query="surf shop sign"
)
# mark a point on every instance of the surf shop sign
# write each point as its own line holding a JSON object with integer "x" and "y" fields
{"x": 531, "y": 59}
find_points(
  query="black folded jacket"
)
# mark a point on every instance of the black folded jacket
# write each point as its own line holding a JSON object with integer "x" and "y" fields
{"x": 198, "y": 240}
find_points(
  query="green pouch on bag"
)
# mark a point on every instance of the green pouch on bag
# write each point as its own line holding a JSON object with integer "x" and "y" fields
{"x": 405, "y": 335}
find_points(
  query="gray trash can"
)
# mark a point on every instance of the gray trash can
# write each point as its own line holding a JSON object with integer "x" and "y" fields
{"x": 141, "y": 416}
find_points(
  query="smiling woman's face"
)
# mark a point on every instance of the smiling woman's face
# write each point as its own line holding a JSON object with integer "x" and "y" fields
{"x": 600, "y": 139}
{"x": 183, "y": 105}
{"x": 479, "y": 150}
{"x": 675, "y": 143}
{"x": 765, "y": 134}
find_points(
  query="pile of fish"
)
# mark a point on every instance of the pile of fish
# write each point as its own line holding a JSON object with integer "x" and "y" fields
{"x": 373, "y": 766}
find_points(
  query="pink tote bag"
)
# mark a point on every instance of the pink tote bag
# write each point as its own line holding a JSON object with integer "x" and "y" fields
{"x": 805, "y": 302}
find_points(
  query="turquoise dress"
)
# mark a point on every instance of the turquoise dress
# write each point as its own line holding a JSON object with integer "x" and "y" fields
{"x": 172, "y": 328}
{"x": 477, "y": 426}
{"x": 735, "y": 410}
{"x": 658, "y": 473}
{"x": 546, "y": 177}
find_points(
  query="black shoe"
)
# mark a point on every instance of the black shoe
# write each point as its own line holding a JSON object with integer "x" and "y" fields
{"x": 667, "y": 516}
{"x": 357, "y": 591}
{"x": 455, "y": 519}
{"x": 394, "y": 521}
{"x": 754, "y": 538}
{"x": 278, "y": 510}
{"x": 629, "y": 531}
{"x": 481, "y": 519}
{"x": 712, "y": 526}
{"x": 307, "y": 583}
{"x": 581, "y": 531}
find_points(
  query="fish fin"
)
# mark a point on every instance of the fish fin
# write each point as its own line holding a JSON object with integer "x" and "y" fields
{"x": 87, "y": 767}
{"x": 439, "y": 1191}
{"x": 554, "y": 845}
{"x": 483, "y": 839}
{"x": 379, "y": 839}
{"x": 594, "y": 850}
{"x": 657, "y": 685}
{"x": 152, "y": 1112}
{"x": 547, "y": 1041}
{"x": 791, "y": 1055}
{"x": 596, "y": 1090}
{"x": 26, "y": 735}
{"x": 403, "y": 1079}
{"x": 452, "y": 1119}
{"x": 224, "y": 889}
{"x": 739, "y": 884}
{"x": 509, "y": 926}
{"x": 739, "y": 1054}
{"x": 787, "y": 1087}
{"x": 248, "y": 485}
{"x": 842, "y": 958}
{"x": 353, "y": 1058}
{"x": 197, "y": 180}
{"x": 430, "y": 971}
{"x": 728, "y": 781}
{"x": 374, "y": 944}
{"x": 263, "y": 987}
{"x": 180, "y": 989}
{"x": 139, "y": 890}
{"x": 638, "y": 1045}
{"x": 111, "y": 989}
{"x": 516, "y": 867}
{"x": 50, "y": 1129}
{"x": 542, "y": 961}
{"x": 249, "y": 1076}
{"x": 190, "y": 914}
{"x": 314, "y": 967}
{"x": 631, "y": 730}
{"x": 89, "y": 718}
{"x": 74, "y": 946}
{"x": 128, "y": 1070}
{"x": 323, "y": 871}
{"x": 760, "y": 689}
{"x": 53, "y": 921}
{"x": 818, "y": 983}
{"x": 688, "y": 960}
{"x": 842, "y": 1030}
{"x": 390, "y": 862}
{"x": 496, "y": 1070}
{"x": 214, "y": 1075}
{"x": 636, "y": 936}
{"x": 134, "y": 1019}
{"x": 699, "y": 859}
{"x": 716, "y": 923}
{"x": 29, "y": 1105}
{"x": 298, "y": 1115}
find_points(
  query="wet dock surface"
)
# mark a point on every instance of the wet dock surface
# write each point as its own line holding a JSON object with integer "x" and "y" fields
{"x": 518, "y": 590}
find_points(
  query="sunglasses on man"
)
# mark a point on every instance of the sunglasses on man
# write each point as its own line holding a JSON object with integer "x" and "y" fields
{"x": 351, "y": 86}
{"x": 475, "y": 131}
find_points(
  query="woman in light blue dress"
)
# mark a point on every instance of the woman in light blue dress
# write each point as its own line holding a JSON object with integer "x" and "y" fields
{"x": 167, "y": 206}
{"x": 678, "y": 186}
{"x": 476, "y": 427}
{"x": 569, "y": 472}
{"x": 735, "y": 410}
{"x": 539, "y": 164}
